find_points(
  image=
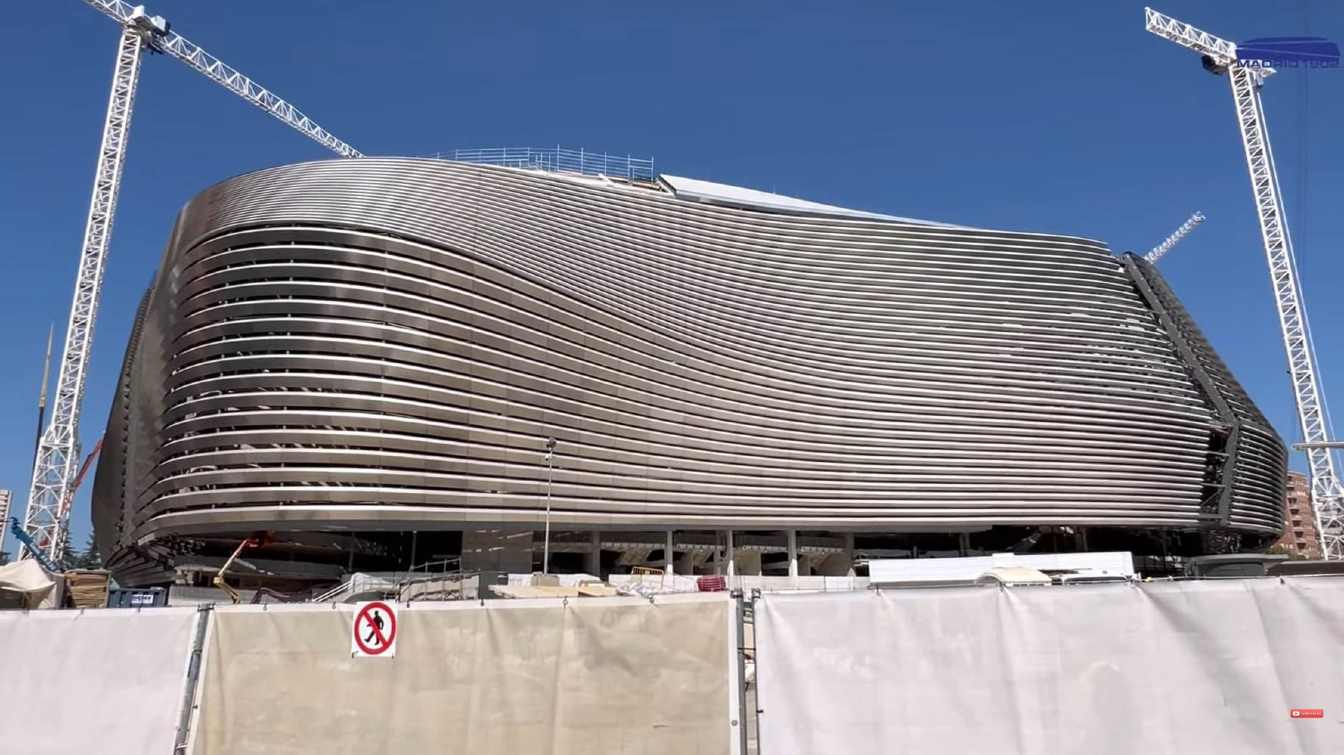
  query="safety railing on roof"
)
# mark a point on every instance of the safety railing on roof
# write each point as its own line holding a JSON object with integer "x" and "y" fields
{"x": 557, "y": 160}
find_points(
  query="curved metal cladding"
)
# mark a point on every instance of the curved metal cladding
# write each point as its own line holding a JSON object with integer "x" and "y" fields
{"x": 388, "y": 343}
{"x": 1250, "y": 461}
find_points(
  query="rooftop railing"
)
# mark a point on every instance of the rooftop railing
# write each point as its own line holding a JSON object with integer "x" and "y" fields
{"x": 557, "y": 160}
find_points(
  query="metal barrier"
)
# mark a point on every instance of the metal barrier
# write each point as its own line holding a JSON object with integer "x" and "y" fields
{"x": 749, "y": 702}
{"x": 657, "y": 581}
{"x": 557, "y": 160}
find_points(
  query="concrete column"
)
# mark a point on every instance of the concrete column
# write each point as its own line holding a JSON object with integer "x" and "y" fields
{"x": 689, "y": 561}
{"x": 732, "y": 556}
{"x": 750, "y": 563}
{"x": 849, "y": 552}
{"x": 793, "y": 553}
{"x": 595, "y": 555}
{"x": 668, "y": 554}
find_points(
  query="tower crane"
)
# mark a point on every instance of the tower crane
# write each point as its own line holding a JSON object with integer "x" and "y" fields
{"x": 1219, "y": 56}
{"x": 1159, "y": 251}
{"x": 57, "y": 455}
{"x": 64, "y": 534}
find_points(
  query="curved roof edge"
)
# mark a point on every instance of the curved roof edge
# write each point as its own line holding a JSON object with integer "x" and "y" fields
{"x": 709, "y": 192}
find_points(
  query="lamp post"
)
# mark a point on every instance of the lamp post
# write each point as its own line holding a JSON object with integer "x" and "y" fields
{"x": 546, "y": 540}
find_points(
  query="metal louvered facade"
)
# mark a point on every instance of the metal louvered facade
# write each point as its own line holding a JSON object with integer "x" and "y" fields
{"x": 384, "y": 344}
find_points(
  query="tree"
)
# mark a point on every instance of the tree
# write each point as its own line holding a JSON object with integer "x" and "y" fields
{"x": 90, "y": 559}
{"x": 67, "y": 559}
{"x": 85, "y": 559}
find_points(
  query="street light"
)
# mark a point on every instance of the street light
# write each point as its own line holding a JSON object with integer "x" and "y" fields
{"x": 546, "y": 541}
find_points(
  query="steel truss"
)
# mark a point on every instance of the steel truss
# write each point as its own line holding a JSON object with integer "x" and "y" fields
{"x": 1160, "y": 251}
{"x": 171, "y": 43}
{"x": 58, "y": 451}
{"x": 4, "y": 514}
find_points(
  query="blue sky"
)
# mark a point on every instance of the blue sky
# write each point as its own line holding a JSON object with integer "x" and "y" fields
{"x": 1052, "y": 116}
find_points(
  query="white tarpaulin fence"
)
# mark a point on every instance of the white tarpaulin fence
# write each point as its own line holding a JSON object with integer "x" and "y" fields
{"x": 97, "y": 681}
{"x": 1176, "y": 667}
{"x": 611, "y": 675}
{"x": 1192, "y": 667}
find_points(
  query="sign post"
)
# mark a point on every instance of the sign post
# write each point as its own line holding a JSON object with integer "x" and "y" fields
{"x": 373, "y": 634}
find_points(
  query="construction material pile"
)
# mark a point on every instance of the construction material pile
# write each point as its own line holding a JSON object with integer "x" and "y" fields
{"x": 87, "y": 588}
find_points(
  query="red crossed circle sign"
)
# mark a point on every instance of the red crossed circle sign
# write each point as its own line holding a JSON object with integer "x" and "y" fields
{"x": 380, "y": 638}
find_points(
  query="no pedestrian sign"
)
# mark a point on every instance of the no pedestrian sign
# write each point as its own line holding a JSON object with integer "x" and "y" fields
{"x": 374, "y": 631}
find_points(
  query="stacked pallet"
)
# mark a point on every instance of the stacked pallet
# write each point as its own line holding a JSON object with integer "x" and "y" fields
{"x": 87, "y": 588}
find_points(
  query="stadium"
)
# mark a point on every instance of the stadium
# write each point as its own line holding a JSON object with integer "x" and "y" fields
{"x": 384, "y": 361}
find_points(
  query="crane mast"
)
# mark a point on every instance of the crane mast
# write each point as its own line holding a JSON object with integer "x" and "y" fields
{"x": 42, "y": 393}
{"x": 57, "y": 452}
{"x": 4, "y": 515}
{"x": 1220, "y": 55}
{"x": 46, "y": 516}
{"x": 63, "y": 535}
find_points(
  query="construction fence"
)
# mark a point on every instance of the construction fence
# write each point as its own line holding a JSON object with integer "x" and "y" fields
{"x": 1212, "y": 666}
{"x": 1172, "y": 667}
{"x": 106, "y": 680}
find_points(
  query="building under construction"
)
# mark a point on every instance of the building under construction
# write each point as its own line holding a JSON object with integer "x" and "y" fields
{"x": 565, "y": 353}
{"x": 512, "y": 359}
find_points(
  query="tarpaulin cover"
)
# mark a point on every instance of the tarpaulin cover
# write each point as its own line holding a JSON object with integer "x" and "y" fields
{"x": 97, "y": 681}
{"x": 1175, "y": 667}
{"x": 28, "y": 580}
{"x": 611, "y": 675}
